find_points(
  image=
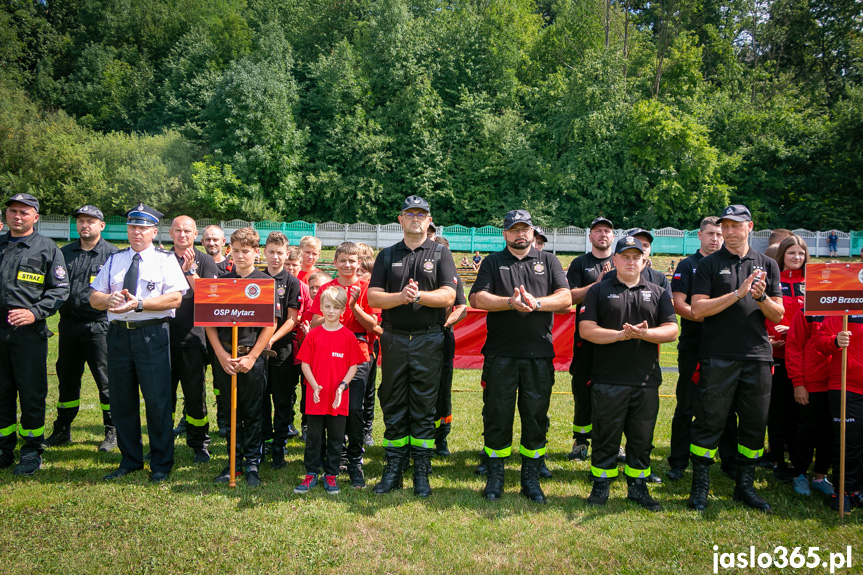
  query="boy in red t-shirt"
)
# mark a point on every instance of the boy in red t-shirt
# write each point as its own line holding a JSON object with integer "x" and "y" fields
{"x": 330, "y": 355}
{"x": 310, "y": 247}
{"x": 361, "y": 319}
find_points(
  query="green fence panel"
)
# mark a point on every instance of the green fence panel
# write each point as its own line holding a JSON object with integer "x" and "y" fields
{"x": 296, "y": 230}
{"x": 115, "y": 229}
{"x": 264, "y": 228}
{"x": 488, "y": 239}
{"x": 690, "y": 242}
{"x": 667, "y": 241}
{"x": 856, "y": 243}
{"x": 460, "y": 238}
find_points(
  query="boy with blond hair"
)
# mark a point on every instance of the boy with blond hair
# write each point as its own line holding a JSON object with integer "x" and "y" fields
{"x": 310, "y": 247}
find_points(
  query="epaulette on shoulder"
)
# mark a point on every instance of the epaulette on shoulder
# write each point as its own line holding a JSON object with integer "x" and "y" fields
{"x": 165, "y": 252}
{"x": 118, "y": 252}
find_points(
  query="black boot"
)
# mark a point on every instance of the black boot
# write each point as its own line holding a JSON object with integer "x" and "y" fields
{"x": 482, "y": 466}
{"x": 110, "y": 441}
{"x": 544, "y": 471}
{"x": 530, "y": 480}
{"x": 61, "y": 435}
{"x": 277, "y": 458}
{"x": 494, "y": 482}
{"x": 440, "y": 445}
{"x": 745, "y": 492}
{"x": 700, "y": 486}
{"x": 422, "y": 470}
{"x": 392, "y": 477}
{"x": 638, "y": 493}
{"x": 599, "y": 493}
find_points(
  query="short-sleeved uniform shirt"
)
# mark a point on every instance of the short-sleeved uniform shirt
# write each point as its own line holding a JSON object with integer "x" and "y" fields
{"x": 514, "y": 333}
{"x": 288, "y": 295}
{"x": 583, "y": 271}
{"x": 224, "y": 266}
{"x": 330, "y": 354}
{"x": 423, "y": 267}
{"x": 612, "y": 303}
{"x": 247, "y": 335}
{"x": 459, "y": 292}
{"x": 32, "y": 275}
{"x": 158, "y": 274}
{"x": 83, "y": 266}
{"x": 348, "y": 319}
{"x": 737, "y": 332}
{"x": 681, "y": 282}
{"x": 649, "y": 274}
{"x": 183, "y": 330}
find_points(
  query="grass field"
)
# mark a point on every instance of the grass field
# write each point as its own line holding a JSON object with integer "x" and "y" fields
{"x": 67, "y": 520}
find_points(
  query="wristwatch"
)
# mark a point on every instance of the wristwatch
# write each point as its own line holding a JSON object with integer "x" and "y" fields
{"x": 762, "y": 298}
{"x": 538, "y": 305}
{"x": 417, "y": 299}
{"x": 737, "y": 294}
{"x": 140, "y": 306}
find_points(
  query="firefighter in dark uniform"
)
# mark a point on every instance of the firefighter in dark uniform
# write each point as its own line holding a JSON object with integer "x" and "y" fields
{"x": 521, "y": 288}
{"x": 413, "y": 282}
{"x": 735, "y": 289}
{"x": 83, "y": 329}
{"x": 583, "y": 272}
{"x": 625, "y": 318}
{"x": 140, "y": 287}
{"x": 33, "y": 285}
{"x": 189, "y": 356}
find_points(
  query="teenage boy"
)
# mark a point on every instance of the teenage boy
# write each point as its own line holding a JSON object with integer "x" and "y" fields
{"x": 304, "y": 316}
{"x": 310, "y": 247}
{"x": 330, "y": 356}
{"x": 360, "y": 319}
{"x": 281, "y": 374}
{"x": 250, "y": 366}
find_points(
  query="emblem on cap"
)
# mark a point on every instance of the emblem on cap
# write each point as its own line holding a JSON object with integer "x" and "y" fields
{"x": 18, "y": 197}
{"x": 416, "y": 200}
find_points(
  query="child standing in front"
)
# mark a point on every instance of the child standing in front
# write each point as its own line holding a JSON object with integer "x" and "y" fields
{"x": 330, "y": 355}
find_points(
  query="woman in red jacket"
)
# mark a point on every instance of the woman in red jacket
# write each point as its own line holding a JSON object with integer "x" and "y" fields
{"x": 792, "y": 257}
{"x": 830, "y": 340}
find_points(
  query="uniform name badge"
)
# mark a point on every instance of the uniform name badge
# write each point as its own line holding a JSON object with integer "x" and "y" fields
{"x": 646, "y": 295}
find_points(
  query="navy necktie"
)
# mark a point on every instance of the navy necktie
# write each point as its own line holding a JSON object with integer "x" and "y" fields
{"x": 130, "y": 282}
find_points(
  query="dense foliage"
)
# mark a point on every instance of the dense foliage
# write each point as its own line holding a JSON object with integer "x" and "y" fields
{"x": 651, "y": 113}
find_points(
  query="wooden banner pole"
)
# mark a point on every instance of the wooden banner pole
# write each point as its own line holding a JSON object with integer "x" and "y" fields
{"x": 233, "y": 470}
{"x": 842, "y": 417}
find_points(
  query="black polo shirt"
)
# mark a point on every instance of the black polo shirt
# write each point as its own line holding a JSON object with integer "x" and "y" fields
{"x": 397, "y": 264}
{"x": 649, "y": 274}
{"x": 514, "y": 333}
{"x": 247, "y": 336}
{"x": 223, "y": 266}
{"x": 583, "y": 271}
{"x": 681, "y": 282}
{"x": 82, "y": 266}
{"x": 288, "y": 295}
{"x": 459, "y": 292}
{"x": 183, "y": 330}
{"x": 737, "y": 332}
{"x": 610, "y": 304}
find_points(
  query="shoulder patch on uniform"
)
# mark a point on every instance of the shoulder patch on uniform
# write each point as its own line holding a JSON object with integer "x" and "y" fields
{"x": 60, "y": 272}
{"x": 538, "y": 268}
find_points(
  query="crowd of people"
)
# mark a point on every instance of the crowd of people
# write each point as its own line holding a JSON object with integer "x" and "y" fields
{"x": 750, "y": 362}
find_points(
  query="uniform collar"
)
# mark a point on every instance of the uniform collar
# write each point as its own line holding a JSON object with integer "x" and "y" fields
{"x": 145, "y": 254}
{"x": 25, "y": 240}
{"x": 641, "y": 281}
{"x": 79, "y": 248}
{"x": 533, "y": 253}
{"x": 426, "y": 245}
{"x": 727, "y": 255}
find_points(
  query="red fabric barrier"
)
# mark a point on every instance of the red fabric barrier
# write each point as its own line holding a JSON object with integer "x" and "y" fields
{"x": 470, "y": 336}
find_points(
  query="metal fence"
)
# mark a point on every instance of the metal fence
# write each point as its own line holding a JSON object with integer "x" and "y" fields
{"x": 670, "y": 241}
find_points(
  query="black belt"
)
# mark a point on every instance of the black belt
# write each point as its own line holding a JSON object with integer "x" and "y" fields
{"x": 437, "y": 328}
{"x": 244, "y": 350}
{"x": 139, "y": 324}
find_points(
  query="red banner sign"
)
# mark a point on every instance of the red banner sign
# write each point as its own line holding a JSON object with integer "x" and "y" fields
{"x": 237, "y": 302}
{"x": 834, "y": 289}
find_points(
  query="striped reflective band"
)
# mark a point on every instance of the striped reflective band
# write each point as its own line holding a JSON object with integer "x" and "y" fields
{"x": 582, "y": 428}
{"x": 31, "y": 432}
{"x": 603, "y": 473}
{"x": 532, "y": 453}
{"x": 68, "y": 404}
{"x": 397, "y": 442}
{"x": 105, "y": 407}
{"x": 497, "y": 453}
{"x": 702, "y": 451}
{"x": 30, "y": 277}
{"x": 749, "y": 453}
{"x": 443, "y": 420}
{"x": 424, "y": 443}
{"x": 7, "y": 431}
{"x": 637, "y": 473}
{"x": 198, "y": 422}
{"x": 216, "y": 391}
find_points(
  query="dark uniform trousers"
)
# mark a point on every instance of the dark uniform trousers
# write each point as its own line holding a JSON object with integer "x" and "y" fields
{"x": 80, "y": 343}
{"x": 23, "y": 355}
{"x": 853, "y": 439}
{"x": 443, "y": 408}
{"x": 814, "y": 435}
{"x": 724, "y": 384}
{"x": 410, "y": 370}
{"x": 369, "y": 401}
{"x": 189, "y": 369}
{"x": 510, "y": 381}
{"x": 782, "y": 415}
{"x": 681, "y": 422}
{"x": 250, "y": 398}
{"x": 140, "y": 359}
{"x": 628, "y": 410}
{"x": 580, "y": 368}
{"x": 355, "y": 424}
{"x": 278, "y": 415}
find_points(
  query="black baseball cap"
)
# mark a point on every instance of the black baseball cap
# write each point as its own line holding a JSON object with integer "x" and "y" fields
{"x": 516, "y": 217}
{"x": 640, "y": 232}
{"x": 628, "y": 243}
{"x": 89, "y": 210}
{"x": 142, "y": 215}
{"x": 737, "y": 213}
{"x": 601, "y": 220}
{"x": 537, "y": 231}
{"x": 415, "y": 203}
{"x": 25, "y": 199}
